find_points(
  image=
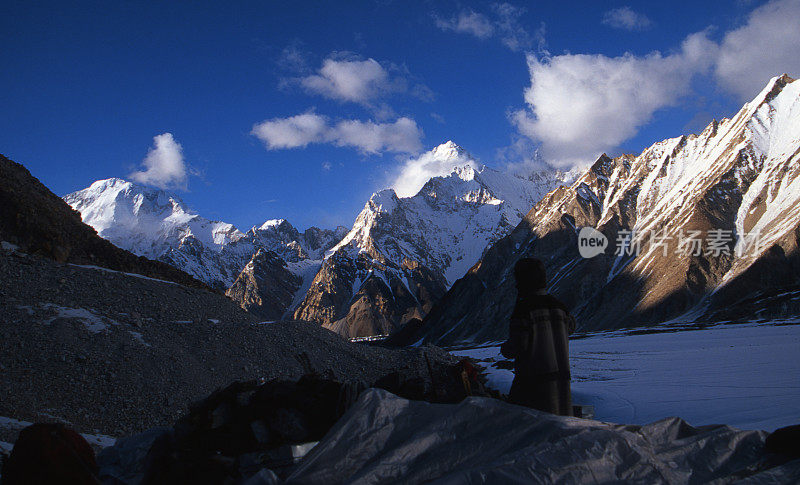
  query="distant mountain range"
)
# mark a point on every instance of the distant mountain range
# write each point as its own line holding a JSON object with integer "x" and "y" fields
{"x": 715, "y": 218}
{"x": 36, "y": 221}
{"x": 730, "y": 195}
{"x": 398, "y": 259}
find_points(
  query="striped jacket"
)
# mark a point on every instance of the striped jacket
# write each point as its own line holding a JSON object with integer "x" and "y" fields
{"x": 538, "y": 337}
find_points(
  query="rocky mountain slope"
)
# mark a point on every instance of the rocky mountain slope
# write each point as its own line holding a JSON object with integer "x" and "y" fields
{"x": 399, "y": 257}
{"x": 403, "y": 253}
{"x": 265, "y": 286}
{"x": 699, "y": 228}
{"x": 158, "y": 224}
{"x": 115, "y": 354}
{"x": 89, "y": 340}
{"x": 36, "y": 221}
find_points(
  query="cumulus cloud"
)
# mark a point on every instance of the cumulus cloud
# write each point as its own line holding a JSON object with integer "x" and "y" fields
{"x": 766, "y": 46}
{"x": 346, "y": 77}
{"x": 582, "y": 105}
{"x": 415, "y": 172}
{"x": 402, "y": 136}
{"x": 293, "y": 132}
{"x": 625, "y": 18}
{"x": 503, "y": 24}
{"x": 468, "y": 22}
{"x": 164, "y": 166}
{"x": 349, "y": 80}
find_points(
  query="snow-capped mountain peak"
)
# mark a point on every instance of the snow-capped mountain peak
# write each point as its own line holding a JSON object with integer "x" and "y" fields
{"x": 705, "y": 228}
{"x": 403, "y": 251}
{"x": 450, "y": 151}
{"x": 442, "y": 160}
{"x": 412, "y": 247}
{"x": 448, "y": 223}
{"x": 158, "y": 225}
{"x": 144, "y": 220}
{"x": 271, "y": 223}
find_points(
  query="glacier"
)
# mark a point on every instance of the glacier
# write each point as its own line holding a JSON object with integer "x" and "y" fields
{"x": 743, "y": 375}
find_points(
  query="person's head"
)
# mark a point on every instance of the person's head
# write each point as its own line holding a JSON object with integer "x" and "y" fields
{"x": 530, "y": 275}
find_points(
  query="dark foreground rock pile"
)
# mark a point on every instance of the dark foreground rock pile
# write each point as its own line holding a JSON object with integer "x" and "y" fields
{"x": 248, "y": 426}
{"x": 115, "y": 354}
{"x": 246, "y": 434}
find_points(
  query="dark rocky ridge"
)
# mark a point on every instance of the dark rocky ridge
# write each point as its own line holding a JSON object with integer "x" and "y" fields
{"x": 375, "y": 307}
{"x": 162, "y": 347}
{"x": 39, "y": 222}
{"x": 112, "y": 352}
{"x": 265, "y": 287}
{"x": 627, "y": 193}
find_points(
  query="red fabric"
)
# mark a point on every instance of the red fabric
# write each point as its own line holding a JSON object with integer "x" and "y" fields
{"x": 50, "y": 453}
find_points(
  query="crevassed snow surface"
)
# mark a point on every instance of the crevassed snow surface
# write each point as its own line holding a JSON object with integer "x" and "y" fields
{"x": 746, "y": 376}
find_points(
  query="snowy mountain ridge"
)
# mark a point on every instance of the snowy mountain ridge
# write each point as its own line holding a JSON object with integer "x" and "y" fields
{"x": 443, "y": 228}
{"x": 452, "y": 219}
{"x": 701, "y": 227}
{"x": 144, "y": 220}
{"x": 158, "y": 225}
{"x": 422, "y": 242}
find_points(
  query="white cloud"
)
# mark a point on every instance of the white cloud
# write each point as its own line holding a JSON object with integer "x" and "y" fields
{"x": 402, "y": 136}
{"x": 164, "y": 164}
{"x": 582, "y": 105}
{"x": 510, "y": 31}
{"x": 766, "y": 46}
{"x": 423, "y": 93}
{"x": 625, "y": 18}
{"x": 415, "y": 172}
{"x": 468, "y": 22}
{"x": 350, "y": 80}
{"x": 522, "y": 157}
{"x": 345, "y": 77}
{"x": 293, "y": 132}
{"x": 504, "y": 24}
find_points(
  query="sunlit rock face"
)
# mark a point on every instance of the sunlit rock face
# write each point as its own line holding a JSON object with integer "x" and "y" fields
{"x": 734, "y": 188}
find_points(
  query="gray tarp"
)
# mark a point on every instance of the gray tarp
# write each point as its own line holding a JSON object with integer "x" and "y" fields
{"x": 387, "y": 439}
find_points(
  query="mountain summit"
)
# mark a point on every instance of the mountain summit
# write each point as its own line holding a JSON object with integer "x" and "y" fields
{"x": 157, "y": 224}
{"x": 399, "y": 257}
{"x": 450, "y": 151}
{"x": 404, "y": 252}
{"x": 144, "y": 220}
{"x": 701, "y": 228}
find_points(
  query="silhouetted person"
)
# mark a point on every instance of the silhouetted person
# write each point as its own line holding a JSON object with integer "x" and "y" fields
{"x": 538, "y": 341}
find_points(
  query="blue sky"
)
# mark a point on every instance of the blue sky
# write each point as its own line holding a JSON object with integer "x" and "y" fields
{"x": 300, "y": 110}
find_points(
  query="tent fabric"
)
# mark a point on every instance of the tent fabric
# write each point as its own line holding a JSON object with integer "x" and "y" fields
{"x": 386, "y": 439}
{"x": 124, "y": 462}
